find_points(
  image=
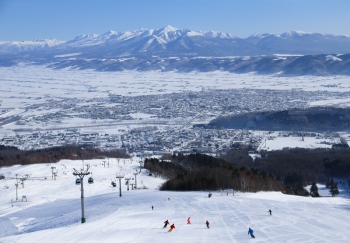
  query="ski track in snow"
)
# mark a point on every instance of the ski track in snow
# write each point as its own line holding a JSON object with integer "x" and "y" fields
{"x": 55, "y": 214}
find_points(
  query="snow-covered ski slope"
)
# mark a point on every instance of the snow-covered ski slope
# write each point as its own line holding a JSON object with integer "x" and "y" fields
{"x": 53, "y": 213}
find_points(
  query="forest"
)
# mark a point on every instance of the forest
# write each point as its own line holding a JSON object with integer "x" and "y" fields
{"x": 313, "y": 165}
{"x": 288, "y": 170}
{"x": 314, "y": 119}
{"x": 202, "y": 172}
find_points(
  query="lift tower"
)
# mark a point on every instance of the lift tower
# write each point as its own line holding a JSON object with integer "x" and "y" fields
{"x": 120, "y": 183}
{"x": 81, "y": 175}
{"x": 135, "y": 174}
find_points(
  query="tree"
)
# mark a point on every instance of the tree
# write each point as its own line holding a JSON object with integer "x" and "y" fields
{"x": 328, "y": 182}
{"x": 296, "y": 184}
{"x": 333, "y": 188}
{"x": 314, "y": 190}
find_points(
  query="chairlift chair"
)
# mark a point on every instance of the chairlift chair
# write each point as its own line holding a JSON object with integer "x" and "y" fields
{"x": 91, "y": 180}
{"x": 77, "y": 182}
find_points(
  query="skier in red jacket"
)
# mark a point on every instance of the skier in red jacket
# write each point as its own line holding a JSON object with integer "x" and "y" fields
{"x": 171, "y": 227}
{"x": 207, "y": 223}
{"x": 189, "y": 220}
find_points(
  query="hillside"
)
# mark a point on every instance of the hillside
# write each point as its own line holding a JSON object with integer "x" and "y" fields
{"x": 316, "y": 119}
{"x": 53, "y": 211}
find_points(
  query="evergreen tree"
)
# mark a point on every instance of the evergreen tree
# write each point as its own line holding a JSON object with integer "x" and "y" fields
{"x": 314, "y": 190}
{"x": 334, "y": 188}
{"x": 328, "y": 182}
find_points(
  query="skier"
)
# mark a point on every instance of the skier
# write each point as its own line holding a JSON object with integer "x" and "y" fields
{"x": 166, "y": 224}
{"x": 207, "y": 223}
{"x": 171, "y": 227}
{"x": 152, "y": 207}
{"x": 270, "y": 211}
{"x": 251, "y": 233}
{"x": 189, "y": 220}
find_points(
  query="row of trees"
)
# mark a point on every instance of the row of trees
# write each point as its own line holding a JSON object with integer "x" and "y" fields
{"x": 12, "y": 156}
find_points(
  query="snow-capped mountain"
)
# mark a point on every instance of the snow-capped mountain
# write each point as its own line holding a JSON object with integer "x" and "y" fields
{"x": 170, "y": 41}
{"x": 20, "y": 46}
{"x": 153, "y": 49}
{"x": 165, "y": 41}
{"x": 299, "y": 42}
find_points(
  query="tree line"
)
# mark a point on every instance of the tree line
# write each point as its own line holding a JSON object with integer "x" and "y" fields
{"x": 13, "y": 156}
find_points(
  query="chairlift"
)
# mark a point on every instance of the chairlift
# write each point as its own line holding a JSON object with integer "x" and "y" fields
{"x": 91, "y": 180}
{"x": 77, "y": 182}
{"x": 114, "y": 184}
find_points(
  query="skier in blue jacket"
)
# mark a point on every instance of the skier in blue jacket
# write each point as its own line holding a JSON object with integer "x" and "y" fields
{"x": 251, "y": 233}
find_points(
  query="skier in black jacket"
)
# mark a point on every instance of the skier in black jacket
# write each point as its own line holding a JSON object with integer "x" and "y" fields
{"x": 166, "y": 224}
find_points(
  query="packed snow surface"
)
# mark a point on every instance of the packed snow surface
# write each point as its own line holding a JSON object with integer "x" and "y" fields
{"x": 53, "y": 213}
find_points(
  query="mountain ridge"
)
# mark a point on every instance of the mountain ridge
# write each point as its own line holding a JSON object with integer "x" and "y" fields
{"x": 314, "y": 119}
{"x": 292, "y": 53}
{"x": 169, "y": 40}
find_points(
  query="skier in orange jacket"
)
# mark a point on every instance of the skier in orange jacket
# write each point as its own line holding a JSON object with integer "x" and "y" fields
{"x": 171, "y": 227}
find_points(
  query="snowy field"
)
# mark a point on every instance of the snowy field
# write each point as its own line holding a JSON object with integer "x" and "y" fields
{"x": 296, "y": 142}
{"x": 52, "y": 213}
{"x": 278, "y": 140}
{"x": 27, "y": 91}
{"x": 24, "y": 85}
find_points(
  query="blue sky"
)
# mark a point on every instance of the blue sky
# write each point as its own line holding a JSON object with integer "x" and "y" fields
{"x": 65, "y": 19}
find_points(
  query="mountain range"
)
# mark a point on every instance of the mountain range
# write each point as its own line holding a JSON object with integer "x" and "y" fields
{"x": 172, "y": 41}
{"x": 156, "y": 49}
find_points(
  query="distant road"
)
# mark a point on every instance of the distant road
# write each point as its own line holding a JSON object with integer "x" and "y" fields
{"x": 165, "y": 123}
